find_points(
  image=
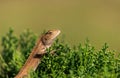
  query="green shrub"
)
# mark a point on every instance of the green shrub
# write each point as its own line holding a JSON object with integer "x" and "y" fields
{"x": 81, "y": 61}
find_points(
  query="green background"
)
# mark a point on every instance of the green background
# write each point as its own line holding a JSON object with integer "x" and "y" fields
{"x": 97, "y": 20}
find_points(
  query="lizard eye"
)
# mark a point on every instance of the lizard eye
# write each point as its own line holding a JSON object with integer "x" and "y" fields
{"x": 49, "y": 32}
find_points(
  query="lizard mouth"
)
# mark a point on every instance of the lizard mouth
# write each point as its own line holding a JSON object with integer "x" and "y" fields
{"x": 57, "y": 32}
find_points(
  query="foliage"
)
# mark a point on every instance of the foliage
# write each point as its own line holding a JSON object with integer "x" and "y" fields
{"x": 15, "y": 51}
{"x": 81, "y": 61}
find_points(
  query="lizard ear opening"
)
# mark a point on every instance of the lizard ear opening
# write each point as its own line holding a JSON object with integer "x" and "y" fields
{"x": 45, "y": 39}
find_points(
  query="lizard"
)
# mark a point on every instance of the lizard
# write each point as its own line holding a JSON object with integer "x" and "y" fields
{"x": 44, "y": 42}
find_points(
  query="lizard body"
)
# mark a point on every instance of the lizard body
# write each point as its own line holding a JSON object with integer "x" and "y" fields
{"x": 33, "y": 61}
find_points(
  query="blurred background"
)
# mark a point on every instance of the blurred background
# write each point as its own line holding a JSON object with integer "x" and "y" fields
{"x": 97, "y": 20}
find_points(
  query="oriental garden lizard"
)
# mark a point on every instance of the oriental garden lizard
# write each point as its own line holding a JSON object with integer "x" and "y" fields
{"x": 39, "y": 50}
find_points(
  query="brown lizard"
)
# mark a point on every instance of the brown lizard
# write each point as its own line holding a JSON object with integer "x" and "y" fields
{"x": 33, "y": 60}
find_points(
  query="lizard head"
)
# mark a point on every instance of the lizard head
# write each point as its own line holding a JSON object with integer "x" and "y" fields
{"x": 48, "y": 38}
